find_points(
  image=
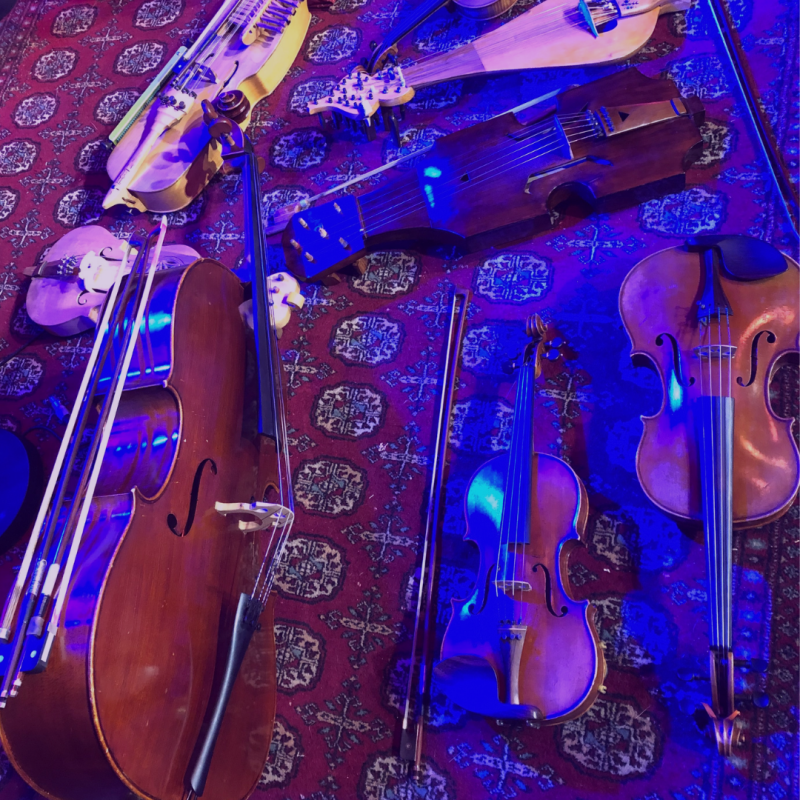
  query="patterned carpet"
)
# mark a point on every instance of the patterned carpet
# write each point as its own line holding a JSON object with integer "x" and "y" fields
{"x": 362, "y": 364}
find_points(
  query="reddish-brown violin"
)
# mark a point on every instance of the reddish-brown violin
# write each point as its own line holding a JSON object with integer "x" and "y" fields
{"x": 715, "y": 318}
{"x": 520, "y": 646}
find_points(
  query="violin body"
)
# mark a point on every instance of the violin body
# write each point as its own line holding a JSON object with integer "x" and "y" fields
{"x": 503, "y": 653}
{"x": 714, "y": 319}
{"x": 125, "y": 692}
{"x": 497, "y": 181}
{"x": 60, "y": 300}
{"x": 177, "y": 163}
{"x": 656, "y": 299}
{"x": 472, "y": 670}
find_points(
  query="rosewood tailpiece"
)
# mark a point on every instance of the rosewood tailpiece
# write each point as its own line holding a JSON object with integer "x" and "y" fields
{"x": 714, "y": 319}
{"x": 498, "y": 181}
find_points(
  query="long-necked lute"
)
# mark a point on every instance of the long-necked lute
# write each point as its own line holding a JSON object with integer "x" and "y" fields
{"x": 715, "y": 318}
{"x": 497, "y": 181}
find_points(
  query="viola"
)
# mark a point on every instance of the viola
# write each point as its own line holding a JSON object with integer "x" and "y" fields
{"x": 714, "y": 319}
{"x": 71, "y": 284}
{"x": 551, "y": 34}
{"x": 167, "y": 157}
{"x": 69, "y": 287}
{"x": 115, "y": 634}
{"x": 503, "y": 653}
{"x": 497, "y": 181}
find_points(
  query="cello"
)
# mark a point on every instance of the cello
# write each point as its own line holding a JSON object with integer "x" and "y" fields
{"x": 497, "y": 182}
{"x": 502, "y": 655}
{"x": 552, "y": 34}
{"x": 117, "y": 635}
{"x": 715, "y": 318}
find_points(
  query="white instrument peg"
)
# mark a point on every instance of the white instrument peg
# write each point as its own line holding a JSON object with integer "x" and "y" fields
{"x": 268, "y": 515}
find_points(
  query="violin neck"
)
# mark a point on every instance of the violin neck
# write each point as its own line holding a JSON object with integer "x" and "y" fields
{"x": 716, "y": 472}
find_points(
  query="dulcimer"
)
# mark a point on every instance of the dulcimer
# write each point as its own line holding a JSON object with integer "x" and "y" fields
{"x": 715, "y": 318}
{"x": 519, "y": 646}
{"x": 167, "y": 157}
{"x": 552, "y": 34}
{"x": 497, "y": 181}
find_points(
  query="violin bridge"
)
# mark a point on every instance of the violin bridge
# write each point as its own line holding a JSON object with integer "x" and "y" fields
{"x": 715, "y": 351}
{"x": 512, "y": 640}
{"x": 513, "y": 586}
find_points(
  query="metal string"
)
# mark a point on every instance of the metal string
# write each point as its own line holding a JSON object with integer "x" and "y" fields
{"x": 532, "y": 155}
{"x": 499, "y": 42}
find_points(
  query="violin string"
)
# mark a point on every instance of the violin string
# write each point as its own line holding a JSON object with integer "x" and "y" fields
{"x": 519, "y": 501}
{"x": 533, "y": 150}
{"x": 512, "y": 27}
{"x": 353, "y": 228}
{"x": 568, "y": 124}
{"x": 722, "y": 578}
{"x": 728, "y": 571}
{"x": 713, "y": 485}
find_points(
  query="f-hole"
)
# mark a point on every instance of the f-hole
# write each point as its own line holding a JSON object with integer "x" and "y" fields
{"x": 771, "y": 338}
{"x": 548, "y": 591}
{"x": 676, "y": 359}
{"x": 172, "y": 520}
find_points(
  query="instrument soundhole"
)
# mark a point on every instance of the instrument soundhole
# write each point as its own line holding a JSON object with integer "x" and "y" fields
{"x": 172, "y": 520}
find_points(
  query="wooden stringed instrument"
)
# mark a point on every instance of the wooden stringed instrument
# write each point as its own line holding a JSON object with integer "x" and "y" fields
{"x": 141, "y": 598}
{"x": 714, "y": 319}
{"x": 554, "y": 33}
{"x": 497, "y": 181}
{"x": 167, "y": 157}
{"x": 68, "y": 289}
{"x": 519, "y": 647}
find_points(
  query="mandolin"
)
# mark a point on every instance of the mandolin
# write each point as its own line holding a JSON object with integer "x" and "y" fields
{"x": 167, "y": 156}
{"x": 715, "y": 319}
{"x": 497, "y": 181}
{"x": 520, "y": 647}
{"x": 553, "y": 33}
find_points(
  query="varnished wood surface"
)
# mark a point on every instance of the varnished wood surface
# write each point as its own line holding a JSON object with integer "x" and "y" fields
{"x": 659, "y": 296}
{"x": 186, "y": 158}
{"x": 483, "y": 172}
{"x": 122, "y": 703}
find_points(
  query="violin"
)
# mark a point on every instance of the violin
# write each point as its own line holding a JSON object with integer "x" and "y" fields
{"x": 116, "y": 635}
{"x": 550, "y": 34}
{"x": 714, "y": 319}
{"x": 69, "y": 287}
{"x": 503, "y": 653}
{"x": 497, "y": 181}
{"x": 167, "y": 157}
